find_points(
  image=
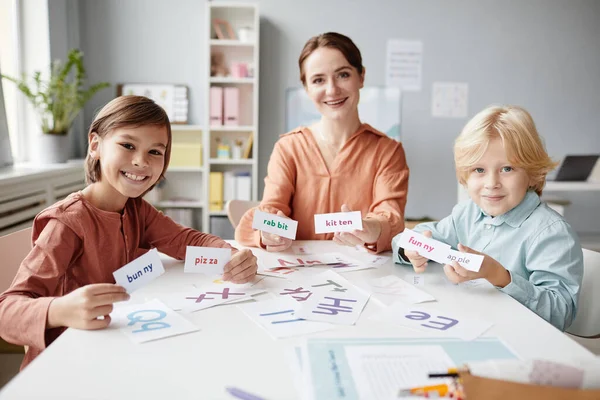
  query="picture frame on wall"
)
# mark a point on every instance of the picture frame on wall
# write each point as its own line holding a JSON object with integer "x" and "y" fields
{"x": 173, "y": 98}
{"x": 223, "y": 29}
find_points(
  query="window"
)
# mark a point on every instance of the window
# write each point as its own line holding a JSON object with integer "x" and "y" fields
{"x": 10, "y": 65}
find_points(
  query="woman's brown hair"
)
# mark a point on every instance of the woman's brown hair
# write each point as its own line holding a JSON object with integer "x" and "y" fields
{"x": 333, "y": 40}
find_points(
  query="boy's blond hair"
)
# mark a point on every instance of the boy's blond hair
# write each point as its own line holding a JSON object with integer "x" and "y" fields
{"x": 521, "y": 140}
{"x": 127, "y": 112}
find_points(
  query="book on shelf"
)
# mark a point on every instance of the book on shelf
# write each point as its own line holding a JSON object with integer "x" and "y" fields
{"x": 248, "y": 148}
{"x": 216, "y": 191}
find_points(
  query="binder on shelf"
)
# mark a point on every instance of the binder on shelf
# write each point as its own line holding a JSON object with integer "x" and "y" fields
{"x": 243, "y": 186}
{"x": 216, "y": 106}
{"x": 229, "y": 186}
{"x": 248, "y": 148}
{"x": 232, "y": 106}
{"x": 216, "y": 191}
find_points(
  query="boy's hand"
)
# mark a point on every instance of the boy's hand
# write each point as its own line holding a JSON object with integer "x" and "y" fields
{"x": 241, "y": 268}
{"x": 418, "y": 262}
{"x": 273, "y": 242}
{"x": 81, "y": 308}
{"x": 369, "y": 234}
{"x": 491, "y": 270}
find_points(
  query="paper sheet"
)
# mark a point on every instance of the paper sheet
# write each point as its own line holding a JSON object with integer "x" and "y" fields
{"x": 379, "y": 372}
{"x": 278, "y": 318}
{"x": 400, "y": 290}
{"x": 404, "y": 64}
{"x": 150, "y": 321}
{"x": 333, "y": 300}
{"x": 442, "y": 323}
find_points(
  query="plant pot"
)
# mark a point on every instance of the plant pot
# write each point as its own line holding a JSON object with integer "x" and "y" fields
{"x": 53, "y": 149}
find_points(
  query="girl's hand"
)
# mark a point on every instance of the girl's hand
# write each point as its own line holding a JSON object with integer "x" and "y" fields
{"x": 81, "y": 308}
{"x": 369, "y": 234}
{"x": 273, "y": 242}
{"x": 418, "y": 262}
{"x": 491, "y": 270}
{"x": 241, "y": 268}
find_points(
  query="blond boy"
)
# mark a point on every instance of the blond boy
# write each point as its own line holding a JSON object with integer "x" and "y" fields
{"x": 531, "y": 252}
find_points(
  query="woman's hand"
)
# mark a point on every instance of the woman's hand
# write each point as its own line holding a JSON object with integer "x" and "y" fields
{"x": 369, "y": 234}
{"x": 273, "y": 242}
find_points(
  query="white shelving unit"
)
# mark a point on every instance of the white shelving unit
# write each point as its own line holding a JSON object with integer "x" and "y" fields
{"x": 238, "y": 15}
{"x": 186, "y": 169}
{"x": 182, "y": 191}
{"x": 218, "y": 79}
{"x": 179, "y": 204}
{"x": 225, "y": 128}
{"x": 188, "y": 183}
{"x": 226, "y": 42}
{"x": 218, "y": 161}
{"x": 217, "y": 213}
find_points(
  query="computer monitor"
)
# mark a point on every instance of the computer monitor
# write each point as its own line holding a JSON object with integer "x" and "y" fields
{"x": 576, "y": 168}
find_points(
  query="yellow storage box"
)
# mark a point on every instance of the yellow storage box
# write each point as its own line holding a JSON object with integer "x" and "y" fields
{"x": 186, "y": 155}
{"x": 186, "y": 146}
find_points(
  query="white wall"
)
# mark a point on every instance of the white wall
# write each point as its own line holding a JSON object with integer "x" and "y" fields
{"x": 542, "y": 54}
{"x": 63, "y": 17}
{"x": 35, "y": 53}
{"x": 144, "y": 41}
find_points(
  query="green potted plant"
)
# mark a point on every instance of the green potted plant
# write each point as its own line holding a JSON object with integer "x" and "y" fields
{"x": 57, "y": 101}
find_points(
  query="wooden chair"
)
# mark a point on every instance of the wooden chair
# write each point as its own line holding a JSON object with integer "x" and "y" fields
{"x": 237, "y": 208}
{"x": 587, "y": 320}
{"x": 14, "y": 248}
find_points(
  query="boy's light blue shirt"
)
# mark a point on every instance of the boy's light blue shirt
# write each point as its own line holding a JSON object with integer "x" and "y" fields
{"x": 534, "y": 243}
